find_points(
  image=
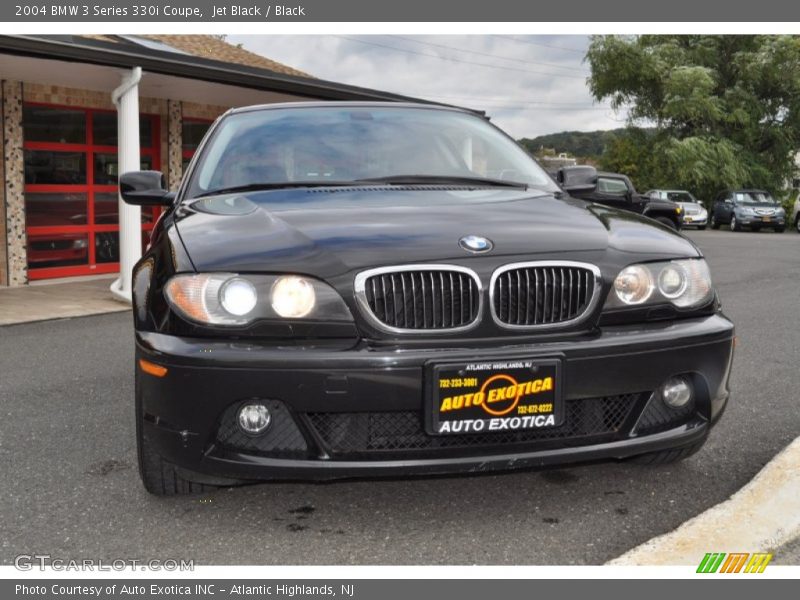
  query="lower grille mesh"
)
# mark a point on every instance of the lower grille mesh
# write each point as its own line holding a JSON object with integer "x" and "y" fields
{"x": 657, "y": 416}
{"x": 282, "y": 438}
{"x": 403, "y": 431}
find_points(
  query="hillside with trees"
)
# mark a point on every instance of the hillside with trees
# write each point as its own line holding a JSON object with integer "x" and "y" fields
{"x": 582, "y": 144}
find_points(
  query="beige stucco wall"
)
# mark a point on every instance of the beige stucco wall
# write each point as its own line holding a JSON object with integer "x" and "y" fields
{"x": 13, "y": 182}
{"x": 3, "y": 255}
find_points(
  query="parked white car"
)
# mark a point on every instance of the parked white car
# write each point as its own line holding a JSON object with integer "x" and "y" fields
{"x": 694, "y": 213}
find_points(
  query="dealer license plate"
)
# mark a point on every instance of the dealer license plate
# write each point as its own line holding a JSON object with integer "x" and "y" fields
{"x": 494, "y": 396}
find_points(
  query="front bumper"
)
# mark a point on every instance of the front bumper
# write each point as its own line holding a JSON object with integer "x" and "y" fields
{"x": 694, "y": 220}
{"x": 359, "y": 411}
{"x": 757, "y": 221}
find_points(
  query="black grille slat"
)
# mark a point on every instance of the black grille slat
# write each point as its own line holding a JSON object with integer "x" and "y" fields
{"x": 367, "y": 434}
{"x": 423, "y": 299}
{"x": 542, "y": 294}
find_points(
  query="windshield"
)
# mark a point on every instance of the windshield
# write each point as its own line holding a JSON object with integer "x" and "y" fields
{"x": 680, "y": 197}
{"x": 341, "y": 144}
{"x": 753, "y": 198}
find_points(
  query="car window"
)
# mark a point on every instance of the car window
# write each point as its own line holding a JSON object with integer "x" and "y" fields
{"x": 342, "y": 144}
{"x": 679, "y": 197}
{"x": 612, "y": 187}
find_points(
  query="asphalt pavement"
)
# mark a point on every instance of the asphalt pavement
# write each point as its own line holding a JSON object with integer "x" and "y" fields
{"x": 70, "y": 487}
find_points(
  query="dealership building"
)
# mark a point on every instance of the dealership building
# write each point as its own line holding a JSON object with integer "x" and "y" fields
{"x": 78, "y": 110}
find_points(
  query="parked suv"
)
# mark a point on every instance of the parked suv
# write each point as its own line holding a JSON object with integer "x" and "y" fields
{"x": 755, "y": 209}
{"x": 694, "y": 213}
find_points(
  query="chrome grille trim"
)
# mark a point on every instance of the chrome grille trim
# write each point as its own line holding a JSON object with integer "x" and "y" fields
{"x": 432, "y": 283}
{"x": 580, "y": 275}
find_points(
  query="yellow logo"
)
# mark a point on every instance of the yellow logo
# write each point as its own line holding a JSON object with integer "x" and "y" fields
{"x": 499, "y": 395}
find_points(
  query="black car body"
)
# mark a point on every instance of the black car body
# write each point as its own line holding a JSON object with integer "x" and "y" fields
{"x": 617, "y": 190}
{"x": 747, "y": 208}
{"x": 406, "y": 324}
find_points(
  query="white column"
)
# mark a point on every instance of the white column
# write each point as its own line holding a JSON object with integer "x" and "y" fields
{"x": 126, "y": 98}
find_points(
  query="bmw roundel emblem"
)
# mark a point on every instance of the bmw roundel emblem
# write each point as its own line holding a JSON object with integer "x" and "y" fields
{"x": 475, "y": 243}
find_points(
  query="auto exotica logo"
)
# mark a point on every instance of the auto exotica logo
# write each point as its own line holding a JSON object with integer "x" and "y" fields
{"x": 499, "y": 395}
{"x": 735, "y": 562}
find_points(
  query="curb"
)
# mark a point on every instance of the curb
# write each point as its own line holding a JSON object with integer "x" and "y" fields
{"x": 760, "y": 517}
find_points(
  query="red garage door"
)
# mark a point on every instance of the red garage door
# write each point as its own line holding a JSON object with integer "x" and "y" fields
{"x": 72, "y": 216}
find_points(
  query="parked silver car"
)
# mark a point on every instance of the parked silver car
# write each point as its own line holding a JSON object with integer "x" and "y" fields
{"x": 694, "y": 213}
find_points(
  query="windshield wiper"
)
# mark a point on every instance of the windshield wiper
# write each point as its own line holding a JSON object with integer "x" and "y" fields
{"x": 273, "y": 185}
{"x": 442, "y": 179}
{"x": 390, "y": 179}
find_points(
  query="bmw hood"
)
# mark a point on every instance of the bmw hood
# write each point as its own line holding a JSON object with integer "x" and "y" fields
{"x": 330, "y": 231}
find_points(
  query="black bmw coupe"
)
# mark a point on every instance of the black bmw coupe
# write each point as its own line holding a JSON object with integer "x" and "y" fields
{"x": 364, "y": 289}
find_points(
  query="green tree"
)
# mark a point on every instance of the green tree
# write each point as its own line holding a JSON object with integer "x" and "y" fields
{"x": 726, "y": 109}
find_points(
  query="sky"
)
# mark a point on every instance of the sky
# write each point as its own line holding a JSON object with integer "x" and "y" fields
{"x": 529, "y": 84}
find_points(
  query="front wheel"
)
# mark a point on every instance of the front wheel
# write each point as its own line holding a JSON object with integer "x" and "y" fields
{"x": 797, "y": 223}
{"x": 667, "y": 221}
{"x": 735, "y": 226}
{"x": 715, "y": 223}
{"x": 162, "y": 478}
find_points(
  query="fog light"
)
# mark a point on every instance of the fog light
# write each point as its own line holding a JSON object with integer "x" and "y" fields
{"x": 254, "y": 418}
{"x": 676, "y": 392}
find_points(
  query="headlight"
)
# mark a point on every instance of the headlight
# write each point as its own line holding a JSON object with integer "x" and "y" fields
{"x": 230, "y": 299}
{"x": 634, "y": 284}
{"x": 683, "y": 283}
{"x": 293, "y": 297}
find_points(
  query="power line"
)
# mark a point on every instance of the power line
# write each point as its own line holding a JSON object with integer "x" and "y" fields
{"x": 456, "y": 60}
{"x": 478, "y": 53}
{"x": 522, "y": 41}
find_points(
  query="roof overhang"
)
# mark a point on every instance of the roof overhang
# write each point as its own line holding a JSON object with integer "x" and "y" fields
{"x": 87, "y": 51}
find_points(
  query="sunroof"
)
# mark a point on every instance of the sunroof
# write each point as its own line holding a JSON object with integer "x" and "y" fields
{"x": 152, "y": 44}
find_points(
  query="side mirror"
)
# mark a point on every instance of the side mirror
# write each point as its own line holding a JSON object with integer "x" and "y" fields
{"x": 145, "y": 188}
{"x": 577, "y": 179}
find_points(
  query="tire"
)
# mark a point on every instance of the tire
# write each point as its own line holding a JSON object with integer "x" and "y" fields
{"x": 735, "y": 226}
{"x": 665, "y": 457}
{"x": 701, "y": 227}
{"x": 668, "y": 222}
{"x": 162, "y": 478}
{"x": 714, "y": 223}
{"x": 797, "y": 223}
